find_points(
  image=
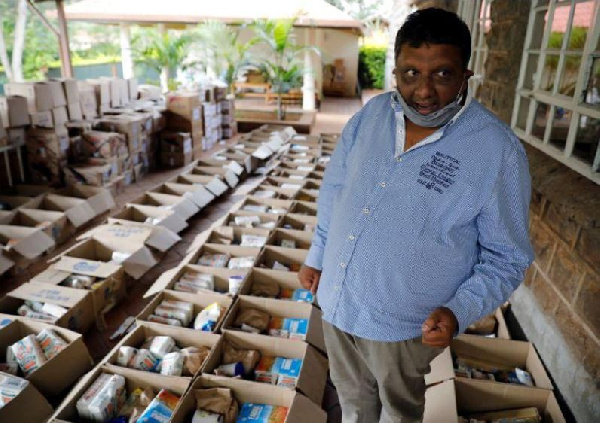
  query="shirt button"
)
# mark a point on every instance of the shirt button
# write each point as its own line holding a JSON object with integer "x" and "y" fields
{"x": 398, "y": 159}
{"x": 336, "y": 287}
{"x": 366, "y": 210}
{"x": 342, "y": 265}
{"x": 382, "y": 185}
{"x": 351, "y": 237}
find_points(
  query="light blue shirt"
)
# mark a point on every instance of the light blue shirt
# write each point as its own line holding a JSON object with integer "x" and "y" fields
{"x": 402, "y": 233}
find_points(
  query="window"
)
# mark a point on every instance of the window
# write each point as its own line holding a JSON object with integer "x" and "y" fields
{"x": 476, "y": 14}
{"x": 557, "y": 106}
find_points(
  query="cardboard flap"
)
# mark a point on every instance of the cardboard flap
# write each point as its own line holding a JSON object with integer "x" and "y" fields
{"x": 262, "y": 152}
{"x": 235, "y": 167}
{"x": 59, "y": 295}
{"x": 138, "y": 263}
{"x": 202, "y": 196}
{"x": 5, "y": 264}
{"x": 86, "y": 267}
{"x": 303, "y": 410}
{"x": 173, "y": 222}
{"x": 50, "y": 276}
{"x": 231, "y": 179}
{"x": 78, "y": 213}
{"x": 216, "y": 186}
{"x": 440, "y": 403}
{"x": 162, "y": 238}
{"x": 163, "y": 280}
{"x": 442, "y": 368}
{"x": 102, "y": 202}
{"x": 30, "y": 242}
{"x": 119, "y": 237}
{"x": 186, "y": 208}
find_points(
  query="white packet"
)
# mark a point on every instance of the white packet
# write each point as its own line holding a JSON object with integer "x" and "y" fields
{"x": 172, "y": 364}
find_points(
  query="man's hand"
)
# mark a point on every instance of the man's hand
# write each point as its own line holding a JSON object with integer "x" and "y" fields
{"x": 309, "y": 278}
{"x": 439, "y": 328}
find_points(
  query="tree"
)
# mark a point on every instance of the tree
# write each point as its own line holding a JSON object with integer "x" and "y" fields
{"x": 282, "y": 63}
{"x": 14, "y": 69}
{"x": 229, "y": 54}
{"x": 164, "y": 52}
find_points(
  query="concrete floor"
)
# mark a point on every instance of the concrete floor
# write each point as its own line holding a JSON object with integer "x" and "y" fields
{"x": 332, "y": 116}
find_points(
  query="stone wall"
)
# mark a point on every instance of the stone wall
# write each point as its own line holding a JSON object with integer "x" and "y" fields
{"x": 558, "y": 306}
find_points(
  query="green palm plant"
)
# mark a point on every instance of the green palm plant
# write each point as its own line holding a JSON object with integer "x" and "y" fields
{"x": 229, "y": 54}
{"x": 164, "y": 52}
{"x": 283, "y": 61}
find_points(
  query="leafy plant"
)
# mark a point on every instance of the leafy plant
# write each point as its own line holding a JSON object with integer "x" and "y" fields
{"x": 164, "y": 52}
{"x": 230, "y": 55}
{"x": 371, "y": 67}
{"x": 283, "y": 64}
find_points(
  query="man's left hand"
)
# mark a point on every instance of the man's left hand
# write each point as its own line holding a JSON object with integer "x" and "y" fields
{"x": 439, "y": 328}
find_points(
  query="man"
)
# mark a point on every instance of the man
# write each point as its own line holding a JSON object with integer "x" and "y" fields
{"x": 422, "y": 225}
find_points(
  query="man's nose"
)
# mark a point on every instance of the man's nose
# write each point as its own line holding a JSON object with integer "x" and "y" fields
{"x": 425, "y": 88}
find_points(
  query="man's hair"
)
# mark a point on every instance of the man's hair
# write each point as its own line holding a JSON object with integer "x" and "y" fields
{"x": 435, "y": 26}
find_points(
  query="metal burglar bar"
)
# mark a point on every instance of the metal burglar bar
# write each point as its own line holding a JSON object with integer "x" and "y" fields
{"x": 557, "y": 106}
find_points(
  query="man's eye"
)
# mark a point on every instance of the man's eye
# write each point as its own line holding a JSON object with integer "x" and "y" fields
{"x": 443, "y": 74}
{"x": 411, "y": 73}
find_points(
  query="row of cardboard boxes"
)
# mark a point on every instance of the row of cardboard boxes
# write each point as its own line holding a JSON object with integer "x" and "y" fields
{"x": 269, "y": 395}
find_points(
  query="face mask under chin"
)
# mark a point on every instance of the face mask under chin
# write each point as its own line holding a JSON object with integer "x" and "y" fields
{"x": 435, "y": 119}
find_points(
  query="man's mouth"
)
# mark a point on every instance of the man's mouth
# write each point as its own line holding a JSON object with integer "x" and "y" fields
{"x": 425, "y": 108}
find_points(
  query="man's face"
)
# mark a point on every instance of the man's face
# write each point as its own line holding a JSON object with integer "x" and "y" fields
{"x": 430, "y": 76}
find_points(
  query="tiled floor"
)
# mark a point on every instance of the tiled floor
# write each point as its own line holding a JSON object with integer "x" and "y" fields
{"x": 334, "y": 113}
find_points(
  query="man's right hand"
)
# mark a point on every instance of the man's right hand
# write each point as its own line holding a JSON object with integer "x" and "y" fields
{"x": 309, "y": 278}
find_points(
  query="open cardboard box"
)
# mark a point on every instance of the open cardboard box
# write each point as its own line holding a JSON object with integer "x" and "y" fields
{"x": 236, "y": 166}
{"x": 29, "y": 406}
{"x": 20, "y": 245}
{"x": 153, "y": 215}
{"x": 221, "y": 277}
{"x": 297, "y": 166}
{"x": 313, "y": 373}
{"x": 309, "y": 196}
{"x": 78, "y": 210}
{"x": 232, "y": 235}
{"x": 298, "y": 222}
{"x": 502, "y": 352}
{"x": 271, "y": 203}
{"x": 290, "y": 173}
{"x": 265, "y": 218}
{"x": 464, "y": 397}
{"x": 280, "y": 193}
{"x": 300, "y": 408}
{"x": 285, "y": 280}
{"x": 316, "y": 175}
{"x": 182, "y": 206}
{"x": 284, "y": 183}
{"x": 53, "y": 223}
{"x": 17, "y": 201}
{"x": 197, "y": 193}
{"x": 292, "y": 258}
{"x": 67, "y": 411}
{"x": 283, "y": 309}
{"x": 213, "y": 184}
{"x": 231, "y": 250}
{"x": 183, "y": 338}
{"x": 314, "y": 140}
{"x": 79, "y": 316}
{"x": 58, "y": 373}
{"x": 304, "y": 208}
{"x": 250, "y": 163}
{"x": 200, "y": 301}
{"x": 99, "y": 199}
{"x": 228, "y": 176}
{"x": 302, "y": 239}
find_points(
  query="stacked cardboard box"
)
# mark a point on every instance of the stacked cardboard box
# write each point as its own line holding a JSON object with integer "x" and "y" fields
{"x": 212, "y": 125}
{"x": 14, "y": 117}
{"x": 228, "y": 122}
{"x": 184, "y": 114}
{"x": 176, "y": 149}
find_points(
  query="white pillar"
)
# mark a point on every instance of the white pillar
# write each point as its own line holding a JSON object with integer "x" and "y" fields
{"x": 164, "y": 74}
{"x": 400, "y": 11}
{"x": 126, "y": 60}
{"x": 308, "y": 86}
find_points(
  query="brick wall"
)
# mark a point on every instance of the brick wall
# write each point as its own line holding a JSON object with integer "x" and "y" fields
{"x": 558, "y": 306}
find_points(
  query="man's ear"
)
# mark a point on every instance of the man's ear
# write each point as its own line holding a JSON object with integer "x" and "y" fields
{"x": 468, "y": 73}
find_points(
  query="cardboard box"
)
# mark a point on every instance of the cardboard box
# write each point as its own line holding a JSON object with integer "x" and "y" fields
{"x": 80, "y": 311}
{"x": 304, "y": 208}
{"x": 231, "y": 250}
{"x": 176, "y": 159}
{"x": 77, "y": 210}
{"x": 228, "y": 175}
{"x": 196, "y": 193}
{"x": 22, "y": 244}
{"x": 136, "y": 213}
{"x": 70, "y": 88}
{"x": 231, "y": 235}
{"x": 183, "y": 338}
{"x": 18, "y": 201}
{"x": 502, "y": 353}
{"x": 16, "y": 136}
{"x": 265, "y": 218}
{"x": 200, "y": 301}
{"x": 302, "y": 239}
{"x": 133, "y": 88}
{"x": 313, "y": 373}
{"x": 58, "y": 94}
{"x": 291, "y": 258}
{"x": 221, "y": 278}
{"x": 27, "y": 407}
{"x": 300, "y": 408}
{"x": 282, "y": 309}
{"x": 446, "y": 401}
{"x": 298, "y": 222}
{"x": 212, "y": 183}
{"x": 67, "y": 411}
{"x": 192, "y": 124}
{"x": 175, "y": 142}
{"x": 182, "y": 206}
{"x": 184, "y": 104}
{"x": 13, "y": 111}
{"x": 52, "y": 223}
{"x": 99, "y": 199}
{"x": 87, "y": 100}
{"x": 38, "y": 95}
{"x": 97, "y": 175}
{"x": 307, "y": 196}
{"x": 287, "y": 281}
{"x": 58, "y": 373}
{"x": 75, "y": 111}
{"x": 129, "y": 125}
{"x": 42, "y": 119}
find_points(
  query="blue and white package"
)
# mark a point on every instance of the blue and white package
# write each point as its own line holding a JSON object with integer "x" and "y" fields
{"x": 303, "y": 295}
{"x": 261, "y": 413}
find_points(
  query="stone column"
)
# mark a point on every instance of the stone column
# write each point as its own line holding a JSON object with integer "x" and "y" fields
{"x": 126, "y": 59}
{"x": 308, "y": 87}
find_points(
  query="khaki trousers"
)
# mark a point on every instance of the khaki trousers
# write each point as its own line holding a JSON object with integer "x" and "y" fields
{"x": 378, "y": 381}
